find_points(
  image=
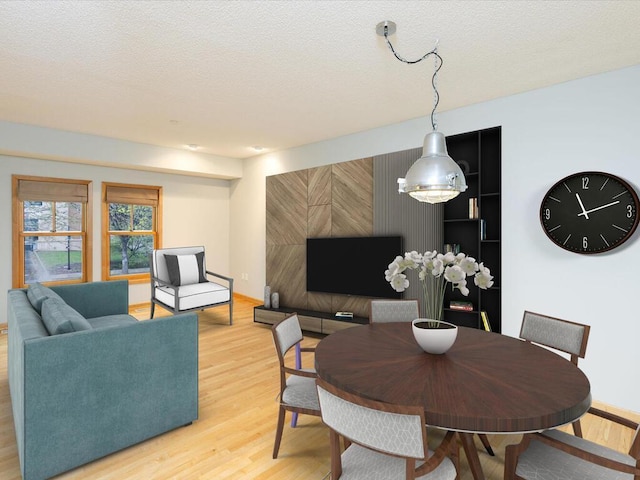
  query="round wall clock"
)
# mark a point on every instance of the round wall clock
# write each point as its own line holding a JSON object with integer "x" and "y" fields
{"x": 590, "y": 212}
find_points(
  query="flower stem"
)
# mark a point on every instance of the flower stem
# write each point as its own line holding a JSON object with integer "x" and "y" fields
{"x": 433, "y": 289}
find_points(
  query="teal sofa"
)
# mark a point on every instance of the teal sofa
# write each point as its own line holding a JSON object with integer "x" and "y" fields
{"x": 97, "y": 389}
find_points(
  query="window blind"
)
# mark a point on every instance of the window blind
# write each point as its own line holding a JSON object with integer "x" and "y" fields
{"x": 44, "y": 191}
{"x": 132, "y": 195}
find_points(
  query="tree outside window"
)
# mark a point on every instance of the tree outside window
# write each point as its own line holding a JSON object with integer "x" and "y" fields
{"x": 132, "y": 219}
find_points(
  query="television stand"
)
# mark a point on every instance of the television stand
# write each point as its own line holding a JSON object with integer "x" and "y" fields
{"x": 310, "y": 320}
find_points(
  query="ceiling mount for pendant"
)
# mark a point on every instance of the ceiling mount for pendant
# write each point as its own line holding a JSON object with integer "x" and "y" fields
{"x": 386, "y": 28}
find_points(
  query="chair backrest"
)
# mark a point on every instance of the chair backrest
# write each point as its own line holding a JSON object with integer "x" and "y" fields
{"x": 392, "y": 429}
{"x": 568, "y": 337}
{"x": 393, "y": 311}
{"x": 159, "y": 264}
{"x": 286, "y": 333}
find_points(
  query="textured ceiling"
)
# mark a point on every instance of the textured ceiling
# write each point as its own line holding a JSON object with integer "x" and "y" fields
{"x": 228, "y": 75}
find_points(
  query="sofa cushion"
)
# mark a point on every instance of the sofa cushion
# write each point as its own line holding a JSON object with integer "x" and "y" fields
{"x": 37, "y": 293}
{"x": 186, "y": 269}
{"x": 58, "y": 317}
{"x": 111, "y": 321}
{"x": 194, "y": 296}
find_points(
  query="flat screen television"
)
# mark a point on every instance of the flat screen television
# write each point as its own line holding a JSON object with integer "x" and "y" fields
{"x": 352, "y": 265}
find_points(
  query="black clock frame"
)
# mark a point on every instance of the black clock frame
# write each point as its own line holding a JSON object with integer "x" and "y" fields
{"x": 570, "y": 211}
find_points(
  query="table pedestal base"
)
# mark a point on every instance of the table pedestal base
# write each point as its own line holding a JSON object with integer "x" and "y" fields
{"x": 472, "y": 455}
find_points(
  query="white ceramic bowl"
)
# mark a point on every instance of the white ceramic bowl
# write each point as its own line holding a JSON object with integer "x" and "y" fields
{"x": 434, "y": 340}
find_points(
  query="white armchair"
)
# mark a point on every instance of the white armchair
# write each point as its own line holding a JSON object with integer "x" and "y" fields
{"x": 179, "y": 282}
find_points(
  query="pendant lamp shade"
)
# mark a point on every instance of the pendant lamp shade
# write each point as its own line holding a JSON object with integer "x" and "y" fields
{"x": 434, "y": 177}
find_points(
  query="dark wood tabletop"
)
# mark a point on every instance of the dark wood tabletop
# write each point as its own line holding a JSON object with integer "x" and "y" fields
{"x": 486, "y": 382}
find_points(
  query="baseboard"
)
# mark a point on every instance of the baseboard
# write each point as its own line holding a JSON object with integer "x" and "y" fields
{"x": 635, "y": 416}
{"x": 247, "y": 299}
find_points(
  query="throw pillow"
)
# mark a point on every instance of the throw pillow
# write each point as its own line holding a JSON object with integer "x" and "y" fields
{"x": 58, "y": 317}
{"x": 38, "y": 293}
{"x": 186, "y": 269}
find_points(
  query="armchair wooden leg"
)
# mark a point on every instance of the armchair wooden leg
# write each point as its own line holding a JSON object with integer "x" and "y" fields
{"x": 279, "y": 429}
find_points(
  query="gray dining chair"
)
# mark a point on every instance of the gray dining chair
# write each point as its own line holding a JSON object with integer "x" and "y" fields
{"x": 382, "y": 440}
{"x": 562, "y": 335}
{"x": 393, "y": 311}
{"x": 557, "y": 455}
{"x": 297, "y": 385}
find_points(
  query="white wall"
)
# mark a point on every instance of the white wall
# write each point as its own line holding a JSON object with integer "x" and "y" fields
{"x": 50, "y": 144}
{"x": 588, "y": 124}
{"x": 195, "y": 212}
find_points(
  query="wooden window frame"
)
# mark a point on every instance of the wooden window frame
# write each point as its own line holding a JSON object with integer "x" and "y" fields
{"x": 47, "y": 189}
{"x": 128, "y": 194}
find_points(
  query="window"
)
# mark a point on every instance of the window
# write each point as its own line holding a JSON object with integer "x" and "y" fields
{"x": 51, "y": 230}
{"x": 131, "y": 225}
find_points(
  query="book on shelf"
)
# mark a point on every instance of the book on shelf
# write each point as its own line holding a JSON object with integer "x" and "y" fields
{"x": 473, "y": 207}
{"x": 460, "y": 305}
{"x": 483, "y": 230}
{"x": 452, "y": 248}
{"x": 485, "y": 321}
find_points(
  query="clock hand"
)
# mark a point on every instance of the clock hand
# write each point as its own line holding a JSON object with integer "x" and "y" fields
{"x": 584, "y": 212}
{"x": 598, "y": 208}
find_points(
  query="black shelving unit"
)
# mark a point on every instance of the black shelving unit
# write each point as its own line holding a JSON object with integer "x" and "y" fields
{"x": 480, "y": 156}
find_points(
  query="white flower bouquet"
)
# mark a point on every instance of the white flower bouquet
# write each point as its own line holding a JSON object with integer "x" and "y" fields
{"x": 436, "y": 270}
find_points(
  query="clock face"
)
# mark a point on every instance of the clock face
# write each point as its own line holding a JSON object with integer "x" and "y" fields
{"x": 590, "y": 212}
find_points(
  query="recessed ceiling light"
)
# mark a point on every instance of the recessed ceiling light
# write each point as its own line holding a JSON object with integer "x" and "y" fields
{"x": 258, "y": 148}
{"x": 193, "y": 146}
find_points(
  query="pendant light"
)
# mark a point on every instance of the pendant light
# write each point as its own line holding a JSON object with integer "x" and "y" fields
{"x": 434, "y": 177}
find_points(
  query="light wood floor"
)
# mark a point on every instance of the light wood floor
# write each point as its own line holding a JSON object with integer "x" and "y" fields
{"x": 233, "y": 437}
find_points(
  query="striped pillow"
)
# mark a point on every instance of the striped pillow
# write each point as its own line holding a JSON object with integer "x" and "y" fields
{"x": 186, "y": 269}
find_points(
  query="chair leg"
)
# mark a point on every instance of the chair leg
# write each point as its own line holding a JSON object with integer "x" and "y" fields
{"x": 279, "y": 429}
{"x": 487, "y": 445}
{"x": 577, "y": 428}
{"x": 294, "y": 417}
{"x": 510, "y": 462}
{"x": 511, "y": 454}
{"x": 153, "y": 308}
{"x": 231, "y": 312}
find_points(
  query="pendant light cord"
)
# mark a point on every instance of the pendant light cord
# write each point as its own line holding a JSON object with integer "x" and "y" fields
{"x": 438, "y": 66}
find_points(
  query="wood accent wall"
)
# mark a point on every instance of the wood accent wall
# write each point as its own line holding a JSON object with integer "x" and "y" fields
{"x": 329, "y": 201}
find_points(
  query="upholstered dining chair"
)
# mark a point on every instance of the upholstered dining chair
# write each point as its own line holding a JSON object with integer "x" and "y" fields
{"x": 180, "y": 282}
{"x": 297, "y": 386}
{"x": 393, "y": 310}
{"x": 382, "y": 440}
{"x": 562, "y": 335}
{"x": 557, "y": 455}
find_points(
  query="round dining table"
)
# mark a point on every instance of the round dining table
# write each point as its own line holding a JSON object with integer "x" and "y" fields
{"x": 486, "y": 382}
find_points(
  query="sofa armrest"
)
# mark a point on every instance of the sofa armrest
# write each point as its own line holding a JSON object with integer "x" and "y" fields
{"x": 96, "y": 299}
{"x": 91, "y": 393}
